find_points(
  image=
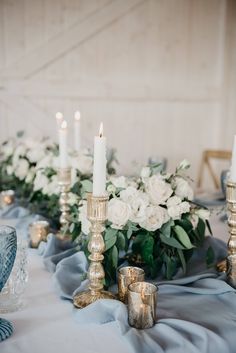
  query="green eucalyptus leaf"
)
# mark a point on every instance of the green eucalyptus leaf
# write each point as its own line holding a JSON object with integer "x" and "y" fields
{"x": 87, "y": 185}
{"x": 166, "y": 228}
{"x": 182, "y": 259}
{"x": 183, "y": 237}
{"x": 171, "y": 242}
{"x": 121, "y": 242}
{"x": 147, "y": 249}
{"x": 110, "y": 237}
{"x": 114, "y": 256}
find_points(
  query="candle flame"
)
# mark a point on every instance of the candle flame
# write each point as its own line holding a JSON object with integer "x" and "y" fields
{"x": 64, "y": 125}
{"x": 59, "y": 116}
{"x": 77, "y": 115}
{"x": 101, "y": 130}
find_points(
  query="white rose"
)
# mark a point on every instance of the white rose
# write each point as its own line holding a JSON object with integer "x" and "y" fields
{"x": 85, "y": 224}
{"x": 40, "y": 181}
{"x": 145, "y": 172}
{"x": 174, "y": 212}
{"x": 22, "y": 169}
{"x": 119, "y": 182}
{"x": 183, "y": 189}
{"x": 128, "y": 194}
{"x": 35, "y": 154}
{"x": 138, "y": 208}
{"x": 7, "y": 149}
{"x": 10, "y": 170}
{"x": 45, "y": 162}
{"x": 30, "y": 176}
{"x": 202, "y": 213}
{"x": 156, "y": 216}
{"x": 158, "y": 190}
{"x": 118, "y": 213}
{"x": 20, "y": 151}
{"x": 85, "y": 164}
{"x": 173, "y": 201}
{"x": 51, "y": 187}
{"x": 184, "y": 207}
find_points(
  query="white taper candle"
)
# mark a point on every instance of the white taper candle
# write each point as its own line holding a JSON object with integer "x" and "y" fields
{"x": 77, "y": 131}
{"x": 233, "y": 164}
{"x": 63, "y": 157}
{"x": 59, "y": 119}
{"x": 99, "y": 164}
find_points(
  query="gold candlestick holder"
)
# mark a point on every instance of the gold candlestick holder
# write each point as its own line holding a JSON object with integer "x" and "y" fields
{"x": 231, "y": 258}
{"x": 97, "y": 215}
{"x": 64, "y": 177}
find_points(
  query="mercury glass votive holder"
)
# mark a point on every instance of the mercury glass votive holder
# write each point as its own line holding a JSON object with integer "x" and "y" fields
{"x": 126, "y": 276}
{"x": 39, "y": 231}
{"x": 142, "y": 301}
{"x": 7, "y": 197}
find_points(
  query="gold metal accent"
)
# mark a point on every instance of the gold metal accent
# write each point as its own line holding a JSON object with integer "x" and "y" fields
{"x": 64, "y": 177}
{"x": 38, "y": 232}
{"x": 231, "y": 258}
{"x": 97, "y": 215}
{"x": 7, "y": 197}
{"x": 142, "y": 301}
{"x": 126, "y": 276}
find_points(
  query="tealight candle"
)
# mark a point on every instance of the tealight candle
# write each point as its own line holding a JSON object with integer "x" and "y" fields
{"x": 99, "y": 164}
{"x": 142, "y": 301}
{"x": 77, "y": 131}
{"x": 7, "y": 197}
{"x": 126, "y": 276}
{"x": 63, "y": 145}
{"x": 233, "y": 164}
{"x": 38, "y": 231}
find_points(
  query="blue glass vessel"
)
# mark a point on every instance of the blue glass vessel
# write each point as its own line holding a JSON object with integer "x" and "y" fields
{"x": 8, "y": 247}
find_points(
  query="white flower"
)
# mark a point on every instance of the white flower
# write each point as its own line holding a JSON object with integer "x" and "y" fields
{"x": 155, "y": 217}
{"x": 83, "y": 163}
{"x": 173, "y": 201}
{"x": 35, "y": 154}
{"x": 202, "y": 213}
{"x": 45, "y": 162}
{"x": 85, "y": 224}
{"x": 22, "y": 169}
{"x": 111, "y": 189}
{"x": 138, "y": 207}
{"x": 10, "y": 170}
{"x": 30, "y": 176}
{"x": 176, "y": 208}
{"x": 51, "y": 187}
{"x": 72, "y": 199}
{"x": 40, "y": 181}
{"x": 183, "y": 189}
{"x": 7, "y": 149}
{"x": 119, "y": 182}
{"x": 128, "y": 194}
{"x": 118, "y": 213}
{"x": 183, "y": 165}
{"x": 158, "y": 190}
{"x": 74, "y": 177}
{"x": 145, "y": 172}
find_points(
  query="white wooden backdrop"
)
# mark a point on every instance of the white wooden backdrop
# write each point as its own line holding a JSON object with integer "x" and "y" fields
{"x": 161, "y": 74}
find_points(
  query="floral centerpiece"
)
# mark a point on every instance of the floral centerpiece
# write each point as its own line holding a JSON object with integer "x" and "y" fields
{"x": 152, "y": 222}
{"x": 29, "y": 166}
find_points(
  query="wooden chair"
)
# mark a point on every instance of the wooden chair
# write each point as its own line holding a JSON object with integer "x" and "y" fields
{"x": 208, "y": 155}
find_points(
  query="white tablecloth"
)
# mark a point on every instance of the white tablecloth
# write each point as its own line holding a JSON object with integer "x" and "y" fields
{"x": 46, "y": 324}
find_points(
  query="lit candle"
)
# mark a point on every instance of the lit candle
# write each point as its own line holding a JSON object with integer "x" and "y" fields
{"x": 59, "y": 119}
{"x": 77, "y": 128}
{"x": 63, "y": 145}
{"x": 99, "y": 164}
{"x": 233, "y": 165}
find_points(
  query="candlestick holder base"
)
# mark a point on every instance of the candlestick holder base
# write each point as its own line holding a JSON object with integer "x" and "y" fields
{"x": 97, "y": 214}
{"x": 85, "y": 298}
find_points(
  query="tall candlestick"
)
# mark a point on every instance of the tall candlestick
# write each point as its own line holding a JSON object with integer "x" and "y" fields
{"x": 99, "y": 164}
{"x": 233, "y": 165}
{"x": 59, "y": 119}
{"x": 77, "y": 131}
{"x": 63, "y": 145}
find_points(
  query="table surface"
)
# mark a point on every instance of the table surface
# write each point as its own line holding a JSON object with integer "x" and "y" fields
{"x": 47, "y": 323}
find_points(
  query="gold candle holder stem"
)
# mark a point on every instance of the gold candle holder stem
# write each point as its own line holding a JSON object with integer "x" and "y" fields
{"x": 64, "y": 177}
{"x": 97, "y": 215}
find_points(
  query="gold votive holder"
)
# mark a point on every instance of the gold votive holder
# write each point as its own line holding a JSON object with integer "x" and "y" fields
{"x": 142, "y": 301}
{"x": 231, "y": 270}
{"x": 7, "y": 197}
{"x": 39, "y": 231}
{"x": 126, "y": 276}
